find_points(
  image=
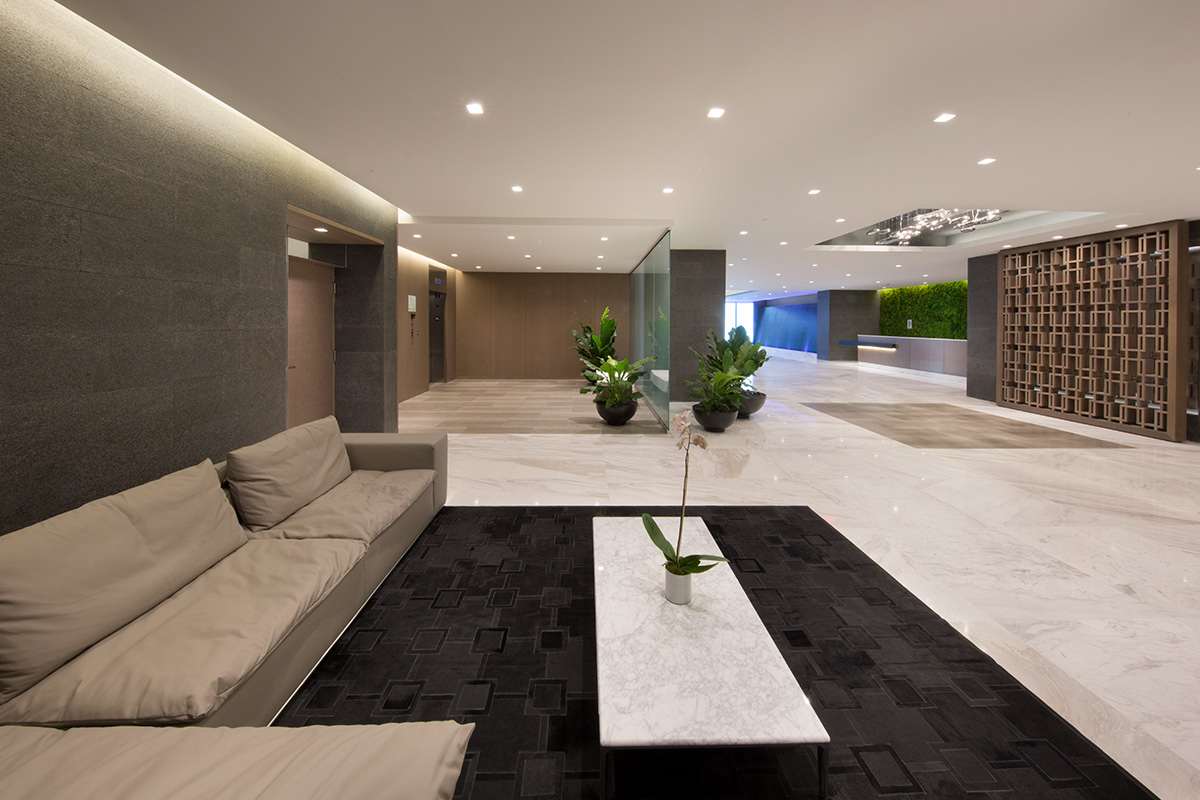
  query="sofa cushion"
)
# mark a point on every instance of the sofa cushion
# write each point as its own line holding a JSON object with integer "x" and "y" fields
{"x": 272, "y": 479}
{"x": 411, "y": 760}
{"x": 181, "y": 659}
{"x": 359, "y": 507}
{"x": 73, "y": 579}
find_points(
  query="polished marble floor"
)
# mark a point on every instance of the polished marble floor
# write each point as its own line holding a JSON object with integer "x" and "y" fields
{"x": 1075, "y": 568}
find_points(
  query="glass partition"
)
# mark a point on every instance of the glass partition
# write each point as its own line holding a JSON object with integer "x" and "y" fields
{"x": 650, "y": 325}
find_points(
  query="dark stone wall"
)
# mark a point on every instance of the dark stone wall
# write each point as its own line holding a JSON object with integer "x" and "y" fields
{"x": 982, "y": 321}
{"x": 841, "y": 316}
{"x": 143, "y": 272}
{"x": 697, "y": 306}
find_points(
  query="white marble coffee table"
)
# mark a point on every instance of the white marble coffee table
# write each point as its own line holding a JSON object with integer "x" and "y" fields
{"x": 704, "y": 674}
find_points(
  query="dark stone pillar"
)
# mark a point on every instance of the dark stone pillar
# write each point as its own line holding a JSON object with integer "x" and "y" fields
{"x": 842, "y": 316}
{"x": 365, "y": 340}
{"x": 982, "y": 322}
{"x": 697, "y": 306}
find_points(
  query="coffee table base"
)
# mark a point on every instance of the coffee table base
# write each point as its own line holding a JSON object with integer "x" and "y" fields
{"x": 608, "y": 774}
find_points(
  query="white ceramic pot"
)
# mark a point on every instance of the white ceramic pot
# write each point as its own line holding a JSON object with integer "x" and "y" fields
{"x": 678, "y": 588}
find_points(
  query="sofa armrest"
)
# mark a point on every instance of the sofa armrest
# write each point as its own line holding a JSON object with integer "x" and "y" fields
{"x": 396, "y": 451}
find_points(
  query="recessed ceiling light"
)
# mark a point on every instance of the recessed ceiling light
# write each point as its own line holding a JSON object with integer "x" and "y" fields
{"x": 810, "y": 281}
{"x": 743, "y": 258}
{"x": 454, "y": 255}
{"x": 1057, "y": 237}
{"x": 599, "y": 267}
{"x": 1006, "y": 246}
{"x": 752, "y": 281}
{"x": 416, "y": 236}
{"x": 321, "y": 230}
{"x": 475, "y": 108}
{"x": 777, "y": 274}
{"x": 538, "y": 267}
{"x": 843, "y": 287}
{"x": 742, "y": 233}
{"x": 604, "y": 238}
{"x": 478, "y": 267}
{"x": 528, "y": 256}
{"x": 783, "y": 242}
{"x": 814, "y": 191}
{"x": 840, "y": 219}
{"x": 599, "y": 256}
{"x": 986, "y": 161}
{"x": 926, "y": 275}
{"x": 518, "y": 189}
{"x": 716, "y": 113}
{"x": 847, "y": 274}
{"x": 898, "y": 266}
{"x": 814, "y": 265}
{"x": 944, "y": 117}
{"x": 731, "y": 263}
{"x": 512, "y": 237}
{"x": 668, "y": 190}
{"x": 1123, "y": 225}
{"x": 878, "y": 281}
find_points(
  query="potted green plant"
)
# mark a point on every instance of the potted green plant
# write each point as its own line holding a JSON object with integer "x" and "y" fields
{"x": 594, "y": 347}
{"x": 615, "y": 385}
{"x": 739, "y": 355}
{"x": 679, "y": 568}
{"x": 719, "y": 393}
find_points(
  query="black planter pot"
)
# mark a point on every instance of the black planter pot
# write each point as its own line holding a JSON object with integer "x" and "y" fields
{"x": 751, "y": 402}
{"x": 619, "y": 414}
{"x": 717, "y": 421}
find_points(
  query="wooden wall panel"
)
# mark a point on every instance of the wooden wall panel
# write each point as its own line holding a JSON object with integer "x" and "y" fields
{"x": 613, "y": 291}
{"x": 545, "y": 337}
{"x": 412, "y": 335}
{"x": 474, "y": 326}
{"x": 508, "y": 326}
{"x": 451, "y": 324}
{"x": 1095, "y": 329}
{"x": 518, "y": 325}
{"x": 578, "y": 305}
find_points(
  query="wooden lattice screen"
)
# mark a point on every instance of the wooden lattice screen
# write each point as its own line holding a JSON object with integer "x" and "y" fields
{"x": 1095, "y": 329}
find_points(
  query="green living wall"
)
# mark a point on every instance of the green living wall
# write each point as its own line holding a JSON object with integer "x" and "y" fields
{"x": 937, "y": 311}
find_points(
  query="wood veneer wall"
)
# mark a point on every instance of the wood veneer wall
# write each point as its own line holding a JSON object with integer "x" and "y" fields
{"x": 1095, "y": 329}
{"x": 518, "y": 325}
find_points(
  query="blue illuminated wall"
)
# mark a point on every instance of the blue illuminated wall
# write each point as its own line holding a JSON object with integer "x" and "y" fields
{"x": 790, "y": 323}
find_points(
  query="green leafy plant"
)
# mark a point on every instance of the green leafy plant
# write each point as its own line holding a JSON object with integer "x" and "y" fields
{"x": 737, "y": 355}
{"x": 716, "y": 390}
{"x": 677, "y": 563}
{"x": 937, "y": 311}
{"x": 593, "y": 346}
{"x": 615, "y": 382}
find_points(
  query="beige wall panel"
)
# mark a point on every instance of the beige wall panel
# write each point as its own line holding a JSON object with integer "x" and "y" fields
{"x": 451, "y": 324}
{"x": 412, "y": 335}
{"x": 955, "y": 358}
{"x": 508, "y": 326}
{"x": 545, "y": 338}
{"x": 474, "y": 336}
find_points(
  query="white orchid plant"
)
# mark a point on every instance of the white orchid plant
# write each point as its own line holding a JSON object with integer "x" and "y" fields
{"x": 676, "y": 562}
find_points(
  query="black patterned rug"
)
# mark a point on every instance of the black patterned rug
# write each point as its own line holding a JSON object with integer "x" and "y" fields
{"x": 490, "y": 619}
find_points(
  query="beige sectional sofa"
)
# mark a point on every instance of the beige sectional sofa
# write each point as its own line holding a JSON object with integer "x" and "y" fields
{"x": 206, "y": 597}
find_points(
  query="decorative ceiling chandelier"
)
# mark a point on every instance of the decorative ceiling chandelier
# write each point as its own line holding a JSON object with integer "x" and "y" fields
{"x": 903, "y": 229}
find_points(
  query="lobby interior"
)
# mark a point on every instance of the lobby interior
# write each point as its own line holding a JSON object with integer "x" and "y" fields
{"x": 145, "y": 304}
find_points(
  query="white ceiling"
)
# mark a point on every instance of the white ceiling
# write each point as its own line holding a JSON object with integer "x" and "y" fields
{"x": 594, "y": 108}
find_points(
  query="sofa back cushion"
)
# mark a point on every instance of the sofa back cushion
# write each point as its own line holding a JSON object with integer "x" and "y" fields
{"x": 72, "y": 580}
{"x": 275, "y": 478}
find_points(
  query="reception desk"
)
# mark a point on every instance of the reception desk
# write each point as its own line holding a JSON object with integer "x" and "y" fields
{"x": 945, "y": 356}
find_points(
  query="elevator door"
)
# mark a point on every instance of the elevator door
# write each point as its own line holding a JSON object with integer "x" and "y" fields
{"x": 437, "y": 337}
